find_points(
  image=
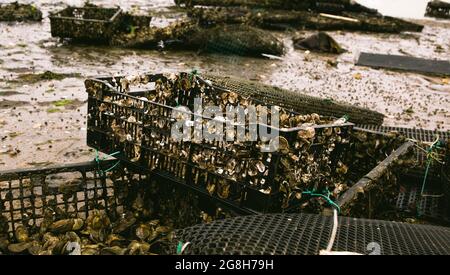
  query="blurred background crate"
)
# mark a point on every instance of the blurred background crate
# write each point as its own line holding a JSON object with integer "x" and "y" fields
{"x": 438, "y": 9}
{"x": 87, "y": 23}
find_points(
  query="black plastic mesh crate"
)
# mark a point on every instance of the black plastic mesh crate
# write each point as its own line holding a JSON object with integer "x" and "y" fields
{"x": 87, "y": 23}
{"x": 76, "y": 189}
{"x": 126, "y": 123}
{"x": 30, "y": 198}
{"x": 306, "y": 234}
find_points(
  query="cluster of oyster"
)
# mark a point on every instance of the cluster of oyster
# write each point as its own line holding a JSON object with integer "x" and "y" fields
{"x": 143, "y": 225}
{"x": 95, "y": 235}
{"x": 327, "y": 160}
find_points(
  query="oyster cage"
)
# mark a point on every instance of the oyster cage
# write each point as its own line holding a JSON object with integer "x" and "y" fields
{"x": 88, "y": 23}
{"x": 135, "y": 126}
{"x": 75, "y": 190}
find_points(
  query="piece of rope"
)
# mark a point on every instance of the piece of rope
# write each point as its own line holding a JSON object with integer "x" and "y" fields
{"x": 335, "y": 218}
{"x": 334, "y": 232}
{"x": 430, "y": 157}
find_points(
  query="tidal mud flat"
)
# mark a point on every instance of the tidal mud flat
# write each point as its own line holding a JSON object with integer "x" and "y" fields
{"x": 43, "y": 100}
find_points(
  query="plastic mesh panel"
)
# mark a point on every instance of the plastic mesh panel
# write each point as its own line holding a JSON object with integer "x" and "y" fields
{"x": 306, "y": 234}
{"x": 295, "y": 101}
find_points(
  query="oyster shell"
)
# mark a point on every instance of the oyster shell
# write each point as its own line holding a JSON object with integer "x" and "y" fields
{"x": 21, "y": 234}
{"x": 307, "y": 133}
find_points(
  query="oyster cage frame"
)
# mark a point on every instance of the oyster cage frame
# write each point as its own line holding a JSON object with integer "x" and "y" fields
{"x": 147, "y": 154}
{"x": 65, "y": 26}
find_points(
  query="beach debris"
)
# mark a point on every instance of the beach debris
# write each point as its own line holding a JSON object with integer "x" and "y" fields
{"x": 6, "y": 104}
{"x": 405, "y": 63}
{"x": 357, "y": 76}
{"x": 319, "y": 42}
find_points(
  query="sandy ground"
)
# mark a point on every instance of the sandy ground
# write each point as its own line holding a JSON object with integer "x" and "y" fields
{"x": 36, "y": 132}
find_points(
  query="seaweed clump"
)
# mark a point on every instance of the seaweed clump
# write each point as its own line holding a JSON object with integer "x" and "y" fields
{"x": 19, "y": 12}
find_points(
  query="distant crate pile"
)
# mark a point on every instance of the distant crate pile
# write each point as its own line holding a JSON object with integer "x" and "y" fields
{"x": 82, "y": 209}
{"x": 93, "y": 24}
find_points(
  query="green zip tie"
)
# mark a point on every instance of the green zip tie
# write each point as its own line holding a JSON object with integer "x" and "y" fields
{"x": 192, "y": 74}
{"x": 98, "y": 160}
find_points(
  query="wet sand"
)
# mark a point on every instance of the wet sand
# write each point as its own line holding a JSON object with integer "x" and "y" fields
{"x": 36, "y": 129}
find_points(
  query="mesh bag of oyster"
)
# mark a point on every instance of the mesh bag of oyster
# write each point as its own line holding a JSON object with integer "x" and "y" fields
{"x": 80, "y": 209}
{"x": 317, "y": 161}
